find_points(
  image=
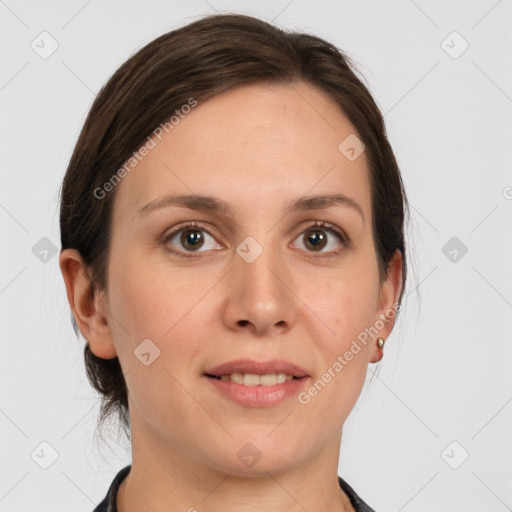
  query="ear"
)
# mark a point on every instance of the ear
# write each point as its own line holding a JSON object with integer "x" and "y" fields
{"x": 88, "y": 304}
{"x": 387, "y": 309}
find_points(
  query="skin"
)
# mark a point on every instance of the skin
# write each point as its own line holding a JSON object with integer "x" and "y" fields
{"x": 257, "y": 148}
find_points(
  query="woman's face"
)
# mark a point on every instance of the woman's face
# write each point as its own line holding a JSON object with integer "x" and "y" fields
{"x": 261, "y": 281}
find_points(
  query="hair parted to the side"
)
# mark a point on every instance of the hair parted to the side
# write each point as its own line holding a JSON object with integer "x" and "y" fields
{"x": 200, "y": 60}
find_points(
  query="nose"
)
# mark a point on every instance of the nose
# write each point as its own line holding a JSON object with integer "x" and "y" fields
{"x": 260, "y": 294}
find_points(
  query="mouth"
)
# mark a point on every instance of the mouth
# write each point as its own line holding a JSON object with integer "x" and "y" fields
{"x": 249, "y": 372}
{"x": 257, "y": 385}
{"x": 254, "y": 390}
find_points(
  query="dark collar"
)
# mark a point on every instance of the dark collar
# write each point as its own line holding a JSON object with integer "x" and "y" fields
{"x": 358, "y": 504}
{"x": 109, "y": 502}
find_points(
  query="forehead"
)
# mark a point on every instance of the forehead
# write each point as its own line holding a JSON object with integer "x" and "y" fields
{"x": 253, "y": 145}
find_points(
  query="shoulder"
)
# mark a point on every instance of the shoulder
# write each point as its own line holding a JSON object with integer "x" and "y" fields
{"x": 358, "y": 504}
{"x": 109, "y": 502}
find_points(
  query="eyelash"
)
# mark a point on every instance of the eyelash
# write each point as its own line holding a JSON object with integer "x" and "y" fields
{"x": 342, "y": 237}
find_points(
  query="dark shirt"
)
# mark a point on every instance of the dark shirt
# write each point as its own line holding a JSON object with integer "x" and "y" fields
{"x": 109, "y": 502}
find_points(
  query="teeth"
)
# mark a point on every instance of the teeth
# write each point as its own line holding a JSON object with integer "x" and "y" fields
{"x": 251, "y": 379}
{"x": 237, "y": 377}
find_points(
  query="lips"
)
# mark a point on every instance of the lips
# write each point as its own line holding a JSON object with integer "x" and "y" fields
{"x": 256, "y": 384}
{"x": 256, "y": 367}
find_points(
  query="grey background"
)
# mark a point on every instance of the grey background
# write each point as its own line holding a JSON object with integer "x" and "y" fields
{"x": 445, "y": 376}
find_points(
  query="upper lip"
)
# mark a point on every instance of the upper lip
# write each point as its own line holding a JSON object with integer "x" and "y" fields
{"x": 257, "y": 367}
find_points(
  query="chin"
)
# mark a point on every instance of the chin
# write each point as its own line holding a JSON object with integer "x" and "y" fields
{"x": 261, "y": 453}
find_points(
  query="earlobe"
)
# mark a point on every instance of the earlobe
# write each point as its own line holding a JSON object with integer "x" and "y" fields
{"x": 87, "y": 304}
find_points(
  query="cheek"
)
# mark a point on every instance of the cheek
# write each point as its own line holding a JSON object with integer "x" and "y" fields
{"x": 346, "y": 304}
{"x": 344, "y": 350}
{"x": 147, "y": 297}
{"x": 145, "y": 306}
{"x": 151, "y": 301}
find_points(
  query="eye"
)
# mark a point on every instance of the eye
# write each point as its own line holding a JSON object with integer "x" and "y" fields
{"x": 315, "y": 239}
{"x": 191, "y": 237}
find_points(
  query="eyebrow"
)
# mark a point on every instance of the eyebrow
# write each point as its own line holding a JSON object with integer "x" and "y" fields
{"x": 215, "y": 205}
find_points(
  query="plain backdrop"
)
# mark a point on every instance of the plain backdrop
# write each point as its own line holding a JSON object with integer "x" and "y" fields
{"x": 433, "y": 431}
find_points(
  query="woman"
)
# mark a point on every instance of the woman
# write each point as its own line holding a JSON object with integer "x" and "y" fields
{"x": 233, "y": 253}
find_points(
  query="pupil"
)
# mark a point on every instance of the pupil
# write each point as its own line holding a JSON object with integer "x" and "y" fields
{"x": 316, "y": 240}
{"x": 191, "y": 238}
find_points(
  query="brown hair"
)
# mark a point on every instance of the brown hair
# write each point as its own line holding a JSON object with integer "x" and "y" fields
{"x": 200, "y": 60}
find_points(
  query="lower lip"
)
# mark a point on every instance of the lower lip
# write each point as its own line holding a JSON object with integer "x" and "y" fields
{"x": 258, "y": 396}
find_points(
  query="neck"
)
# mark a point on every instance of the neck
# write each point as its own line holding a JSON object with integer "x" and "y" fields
{"x": 168, "y": 480}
